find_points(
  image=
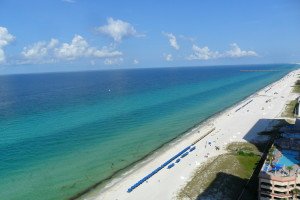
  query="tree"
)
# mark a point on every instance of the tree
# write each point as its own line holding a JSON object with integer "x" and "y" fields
{"x": 270, "y": 157}
{"x": 290, "y": 168}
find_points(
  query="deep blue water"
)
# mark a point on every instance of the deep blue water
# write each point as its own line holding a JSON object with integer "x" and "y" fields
{"x": 63, "y": 132}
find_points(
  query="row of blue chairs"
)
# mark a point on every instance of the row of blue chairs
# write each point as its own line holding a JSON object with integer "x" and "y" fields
{"x": 182, "y": 156}
{"x": 157, "y": 170}
{"x": 171, "y": 165}
{"x": 192, "y": 148}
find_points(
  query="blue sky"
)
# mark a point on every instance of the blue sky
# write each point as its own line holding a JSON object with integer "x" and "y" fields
{"x": 71, "y": 35}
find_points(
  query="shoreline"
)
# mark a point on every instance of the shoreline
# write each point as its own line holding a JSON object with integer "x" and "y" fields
{"x": 105, "y": 185}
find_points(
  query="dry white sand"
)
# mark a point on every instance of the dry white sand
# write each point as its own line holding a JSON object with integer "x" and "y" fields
{"x": 254, "y": 114}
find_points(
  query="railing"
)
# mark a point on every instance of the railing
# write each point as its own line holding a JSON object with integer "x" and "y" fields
{"x": 277, "y": 178}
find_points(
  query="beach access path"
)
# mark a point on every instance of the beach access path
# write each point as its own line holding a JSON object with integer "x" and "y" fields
{"x": 239, "y": 123}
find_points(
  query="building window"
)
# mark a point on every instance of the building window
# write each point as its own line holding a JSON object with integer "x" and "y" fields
{"x": 265, "y": 195}
{"x": 266, "y": 184}
{"x": 266, "y": 190}
{"x": 280, "y": 186}
{"x": 278, "y": 192}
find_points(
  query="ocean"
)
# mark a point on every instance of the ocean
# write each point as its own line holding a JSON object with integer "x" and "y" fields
{"x": 61, "y": 133}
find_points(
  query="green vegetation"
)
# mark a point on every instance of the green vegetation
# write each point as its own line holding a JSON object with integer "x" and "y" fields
{"x": 296, "y": 87}
{"x": 242, "y": 153}
{"x": 290, "y": 168}
{"x": 270, "y": 157}
{"x": 289, "y": 109}
{"x": 248, "y": 156}
{"x": 248, "y": 164}
{"x": 242, "y": 146}
{"x": 229, "y": 171}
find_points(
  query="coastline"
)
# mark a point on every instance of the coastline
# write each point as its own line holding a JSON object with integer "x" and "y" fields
{"x": 100, "y": 191}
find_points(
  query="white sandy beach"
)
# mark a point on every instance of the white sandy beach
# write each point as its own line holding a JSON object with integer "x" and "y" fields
{"x": 239, "y": 123}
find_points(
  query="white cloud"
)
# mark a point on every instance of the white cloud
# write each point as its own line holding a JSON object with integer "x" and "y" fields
{"x": 39, "y": 50}
{"x": 77, "y": 48}
{"x": 205, "y": 53}
{"x": 104, "y": 52}
{"x": 53, "y": 43}
{"x": 80, "y": 48}
{"x": 236, "y": 51}
{"x": 113, "y": 61}
{"x": 117, "y": 29}
{"x": 5, "y": 39}
{"x": 53, "y": 51}
{"x": 168, "y": 57}
{"x": 172, "y": 40}
{"x": 135, "y": 61}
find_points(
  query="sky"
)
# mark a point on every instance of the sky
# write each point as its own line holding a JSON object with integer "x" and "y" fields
{"x": 73, "y": 35}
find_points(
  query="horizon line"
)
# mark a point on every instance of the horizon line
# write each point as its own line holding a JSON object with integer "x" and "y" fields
{"x": 142, "y": 68}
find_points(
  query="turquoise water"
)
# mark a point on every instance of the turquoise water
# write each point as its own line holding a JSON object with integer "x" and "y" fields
{"x": 63, "y": 132}
{"x": 289, "y": 158}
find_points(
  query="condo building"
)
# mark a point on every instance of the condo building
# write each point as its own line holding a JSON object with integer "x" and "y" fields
{"x": 279, "y": 177}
